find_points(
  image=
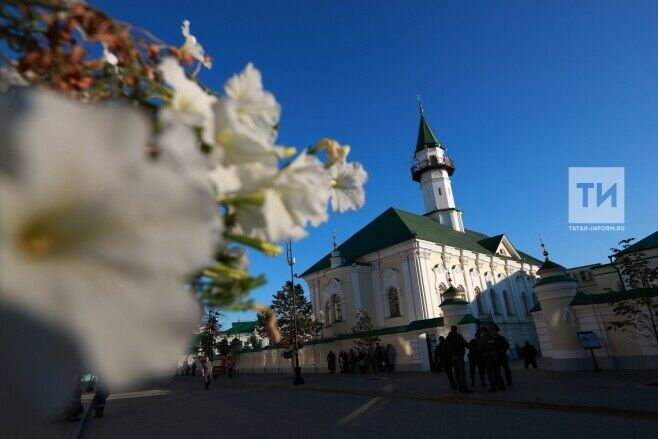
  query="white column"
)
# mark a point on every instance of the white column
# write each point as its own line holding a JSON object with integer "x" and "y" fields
{"x": 431, "y": 282}
{"x": 520, "y": 309}
{"x": 418, "y": 263}
{"x": 312, "y": 285}
{"x": 470, "y": 292}
{"x": 357, "y": 291}
{"x": 485, "y": 294}
{"x": 408, "y": 274}
{"x": 378, "y": 295}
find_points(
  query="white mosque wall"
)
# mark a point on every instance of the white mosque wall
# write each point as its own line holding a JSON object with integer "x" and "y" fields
{"x": 419, "y": 271}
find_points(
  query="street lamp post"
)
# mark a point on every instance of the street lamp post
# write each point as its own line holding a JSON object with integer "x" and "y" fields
{"x": 291, "y": 262}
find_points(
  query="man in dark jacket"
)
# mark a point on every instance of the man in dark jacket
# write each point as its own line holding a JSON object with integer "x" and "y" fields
{"x": 487, "y": 346}
{"x": 444, "y": 361}
{"x": 331, "y": 362}
{"x": 475, "y": 361}
{"x": 457, "y": 345}
{"x": 529, "y": 355}
{"x": 501, "y": 348}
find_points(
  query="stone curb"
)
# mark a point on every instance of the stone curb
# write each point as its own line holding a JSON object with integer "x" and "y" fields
{"x": 455, "y": 399}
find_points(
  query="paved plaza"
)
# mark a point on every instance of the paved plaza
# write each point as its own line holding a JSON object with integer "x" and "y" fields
{"x": 544, "y": 404}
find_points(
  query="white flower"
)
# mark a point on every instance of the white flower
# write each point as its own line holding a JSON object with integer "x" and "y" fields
{"x": 192, "y": 104}
{"x": 95, "y": 239}
{"x": 255, "y": 108}
{"x": 245, "y": 128}
{"x": 347, "y": 180}
{"x": 192, "y": 47}
{"x": 298, "y": 195}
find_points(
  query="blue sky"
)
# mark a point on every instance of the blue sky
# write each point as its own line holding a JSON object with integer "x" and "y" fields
{"x": 518, "y": 91}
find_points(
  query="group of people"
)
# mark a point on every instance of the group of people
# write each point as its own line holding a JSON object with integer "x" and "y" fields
{"x": 487, "y": 355}
{"x": 205, "y": 365}
{"x": 73, "y": 409}
{"x": 375, "y": 359}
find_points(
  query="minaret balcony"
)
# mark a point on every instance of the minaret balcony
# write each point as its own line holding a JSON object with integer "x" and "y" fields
{"x": 433, "y": 162}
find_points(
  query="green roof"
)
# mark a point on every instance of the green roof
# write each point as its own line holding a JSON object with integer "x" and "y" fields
{"x": 536, "y": 308}
{"x": 450, "y": 292}
{"x": 394, "y": 226}
{"x": 616, "y": 296}
{"x": 241, "y": 327}
{"x": 468, "y": 318}
{"x": 454, "y": 301}
{"x": 426, "y": 137}
{"x": 492, "y": 243}
{"x": 549, "y": 265}
{"x": 554, "y": 279}
{"x": 650, "y": 241}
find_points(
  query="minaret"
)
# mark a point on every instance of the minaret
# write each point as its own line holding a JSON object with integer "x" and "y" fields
{"x": 432, "y": 168}
{"x": 336, "y": 260}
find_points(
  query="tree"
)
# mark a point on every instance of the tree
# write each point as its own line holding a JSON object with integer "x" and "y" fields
{"x": 236, "y": 344}
{"x": 255, "y": 341}
{"x": 636, "y": 310}
{"x": 223, "y": 347}
{"x": 363, "y": 328}
{"x": 307, "y": 326}
{"x": 209, "y": 333}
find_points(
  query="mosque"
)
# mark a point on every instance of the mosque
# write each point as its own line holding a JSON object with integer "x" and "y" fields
{"x": 419, "y": 274}
{"x": 408, "y": 269}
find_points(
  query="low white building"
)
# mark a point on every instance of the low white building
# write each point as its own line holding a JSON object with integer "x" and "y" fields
{"x": 581, "y": 299}
{"x": 244, "y": 331}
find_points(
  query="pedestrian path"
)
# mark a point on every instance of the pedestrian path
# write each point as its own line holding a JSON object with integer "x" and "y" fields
{"x": 618, "y": 393}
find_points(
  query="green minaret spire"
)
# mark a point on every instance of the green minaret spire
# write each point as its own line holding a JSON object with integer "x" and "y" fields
{"x": 426, "y": 137}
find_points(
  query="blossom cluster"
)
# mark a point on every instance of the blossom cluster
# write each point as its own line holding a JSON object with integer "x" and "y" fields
{"x": 129, "y": 190}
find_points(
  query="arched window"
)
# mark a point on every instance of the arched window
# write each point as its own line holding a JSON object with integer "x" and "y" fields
{"x": 494, "y": 303}
{"x": 327, "y": 314}
{"x": 526, "y": 306}
{"x": 337, "y": 308}
{"x": 509, "y": 308}
{"x": 393, "y": 302}
{"x": 479, "y": 301}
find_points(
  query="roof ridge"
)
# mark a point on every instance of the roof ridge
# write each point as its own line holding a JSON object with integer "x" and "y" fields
{"x": 395, "y": 225}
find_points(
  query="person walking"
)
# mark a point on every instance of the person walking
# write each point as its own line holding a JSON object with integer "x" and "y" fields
{"x": 444, "y": 361}
{"x": 205, "y": 372}
{"x": 377, "y": 358}
{"x": 98, "y": 403}
{"x": 529, "y": 355}
{"x": 456, "y": 345}
{"x": 475, "y": 361}
{"x": 501, "y": 348}
{"x": 230, "y": 368}
{"x": 342, "y": 361}
{"x": 487, "y": 347}
{"x": 390, "y": 357}
{"x": 331, "y": 362}
{"x": 352, "y": 360}
{"x": 437, "y": 357}
{"x": 73, "y": 409}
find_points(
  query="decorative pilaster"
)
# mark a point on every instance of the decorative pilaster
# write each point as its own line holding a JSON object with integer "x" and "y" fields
{"x": 378, "y": 294}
